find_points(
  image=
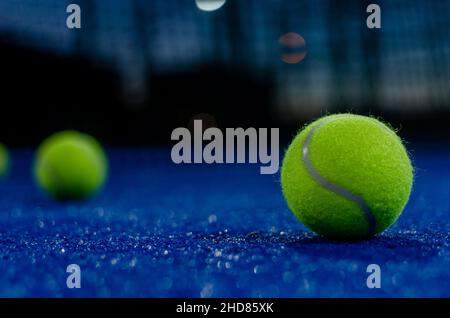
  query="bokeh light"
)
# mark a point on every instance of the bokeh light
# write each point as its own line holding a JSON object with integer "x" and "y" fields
{"x": 293, "y": 47}
{"x": 208, "y": 121}
{"x": 209, "y": 5}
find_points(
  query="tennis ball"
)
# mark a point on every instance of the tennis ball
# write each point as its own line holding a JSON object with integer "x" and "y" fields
{"x": 70, "y": 165}
{"x": 4, "y": 161}
{"x": 347, "y": 176}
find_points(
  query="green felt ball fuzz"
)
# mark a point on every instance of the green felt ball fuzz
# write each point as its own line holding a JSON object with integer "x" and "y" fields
{"x": 4, "y": 162}
{"x": 70, "y": 166}
{"x": 347, "y": 176}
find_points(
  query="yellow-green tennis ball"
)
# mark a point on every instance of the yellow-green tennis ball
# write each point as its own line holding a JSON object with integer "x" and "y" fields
{"x": 70, "y": 166}
{"x": 347, "y": 176}
{"x": 4, "y": 161}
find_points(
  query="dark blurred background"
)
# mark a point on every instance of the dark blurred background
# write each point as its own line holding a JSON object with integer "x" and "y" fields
{"x": 138, "y": 69}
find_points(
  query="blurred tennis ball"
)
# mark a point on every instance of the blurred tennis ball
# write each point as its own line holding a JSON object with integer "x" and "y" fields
{"x": 70, "y": 165}
{"x": 4, "y": 161}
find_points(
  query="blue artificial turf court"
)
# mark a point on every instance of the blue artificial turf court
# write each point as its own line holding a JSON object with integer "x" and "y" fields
{"x": 165, "y": 230}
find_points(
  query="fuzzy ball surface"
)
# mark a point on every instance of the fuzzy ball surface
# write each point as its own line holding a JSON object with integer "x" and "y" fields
{"x": 347, "y": 176}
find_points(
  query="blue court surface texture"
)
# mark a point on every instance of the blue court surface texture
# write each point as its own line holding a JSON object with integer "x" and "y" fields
{"x": 165, "y": 230}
